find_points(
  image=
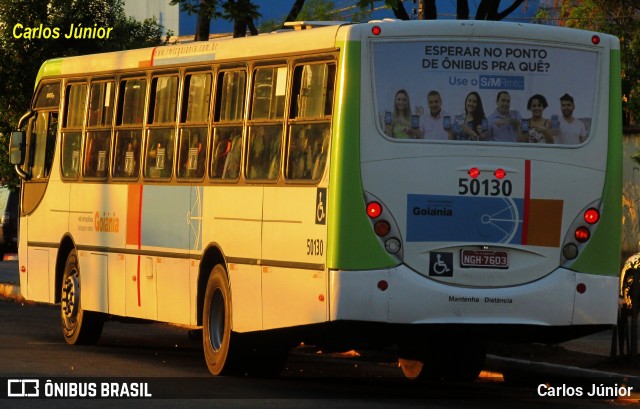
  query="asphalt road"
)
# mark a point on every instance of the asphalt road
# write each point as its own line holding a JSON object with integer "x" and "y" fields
{"x": 171, "y": 365}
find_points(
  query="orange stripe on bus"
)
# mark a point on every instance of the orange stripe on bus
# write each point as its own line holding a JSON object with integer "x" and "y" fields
{"x": 545, "y": 222}
{"x": 134, "y": 204}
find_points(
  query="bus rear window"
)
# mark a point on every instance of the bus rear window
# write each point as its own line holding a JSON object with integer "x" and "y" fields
{"x": 493, "y": 92}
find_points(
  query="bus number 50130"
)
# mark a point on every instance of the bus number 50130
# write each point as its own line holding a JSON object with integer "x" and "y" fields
{"x": 315, "y": 247}
{"x": 486, "y": 187}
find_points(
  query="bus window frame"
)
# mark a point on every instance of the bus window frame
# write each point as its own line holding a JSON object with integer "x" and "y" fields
{"x": 120, "y": 127}
{"x": 269, "y": 122}
{"x": 110, "y": 127}
{"x": 52, "y": 111}
{"x": 151, "y": 126}
{"x": 326, "y": 118}
{"x": 66, "y": 130}
{"x": 218, "y": 123}
{"x": 203, "y": 125}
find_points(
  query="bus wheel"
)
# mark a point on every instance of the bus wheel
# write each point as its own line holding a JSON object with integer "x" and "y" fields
{"x": 216, "y": 316}
{"x": 78, "y": 326}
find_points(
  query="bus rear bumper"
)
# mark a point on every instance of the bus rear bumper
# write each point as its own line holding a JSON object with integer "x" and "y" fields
{"x": 401, "y": 296}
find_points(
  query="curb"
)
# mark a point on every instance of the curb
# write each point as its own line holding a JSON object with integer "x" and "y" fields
{"x": 530, "y": 370}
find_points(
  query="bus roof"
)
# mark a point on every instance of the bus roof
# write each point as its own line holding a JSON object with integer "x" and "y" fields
{"x": 306, "y": 36}
{"x": 226, "y": 48}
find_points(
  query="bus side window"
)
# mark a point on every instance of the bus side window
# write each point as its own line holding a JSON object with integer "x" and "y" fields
{"x": 307, "y": 151}
{"x": 226, "y": 151}
{"x": 263, "y": 160}
{"x": 310, "y": 121}
{"x": 127, "y": 162}
{"x": 129, "y": 128}
{"x": 264, "y": 143}
{"x": 97, "y": 154}
{"x": 193, "y": 142}
{"x": 161, "y": 137}
{"x": 42, "y": 144}
{"x": 98, "y": 139}
{"x": 225, "y": 160}
{"x": 193, "y": 139}
{"x": 76, "y": 99}
{"x": 159, "y": 155}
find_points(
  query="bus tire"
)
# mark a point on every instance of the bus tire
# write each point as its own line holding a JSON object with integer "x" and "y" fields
{"x": 79, "y": 327}
{"x": 216, "y": 323}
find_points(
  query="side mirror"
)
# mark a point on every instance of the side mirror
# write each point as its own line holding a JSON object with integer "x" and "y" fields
{"x": 17, "y": 148}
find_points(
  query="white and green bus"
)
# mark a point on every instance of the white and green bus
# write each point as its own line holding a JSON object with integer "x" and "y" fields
{"x": 431, "y": 185}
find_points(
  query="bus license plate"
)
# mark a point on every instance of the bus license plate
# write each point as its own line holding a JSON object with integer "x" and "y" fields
{"x": 484, "y": 258}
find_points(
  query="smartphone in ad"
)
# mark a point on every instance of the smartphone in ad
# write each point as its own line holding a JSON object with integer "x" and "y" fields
{"x": 387, "y": 118}
{"x": 415, "y": 121}
{"x": 524, "y": 125}
{"x": 446, "y": 122}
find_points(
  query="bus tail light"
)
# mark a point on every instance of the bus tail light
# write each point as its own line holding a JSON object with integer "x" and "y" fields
{"x": 384, "y": 225}
{"x": 591, "y": 215}
{"x": 374, "y": 209}
{"x": 382, "y": 228}
{"x": 580, "y": 232}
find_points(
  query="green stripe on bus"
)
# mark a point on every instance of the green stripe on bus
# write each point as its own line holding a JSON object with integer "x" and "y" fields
{"x": 602, "y": 254}
{"x": 49, "y": 68}
{"x": 352, "y": 243}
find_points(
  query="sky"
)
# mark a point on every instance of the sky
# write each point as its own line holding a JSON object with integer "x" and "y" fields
{"x": 278, "y": 9}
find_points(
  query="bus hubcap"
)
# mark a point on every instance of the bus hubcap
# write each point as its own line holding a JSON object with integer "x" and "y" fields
{"x": 70, "y": 297}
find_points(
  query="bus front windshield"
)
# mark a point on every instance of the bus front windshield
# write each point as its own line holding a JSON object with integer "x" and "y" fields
{"x": 485, "y": 91}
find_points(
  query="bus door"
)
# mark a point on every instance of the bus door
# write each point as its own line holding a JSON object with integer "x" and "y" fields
{"x": 35, "y": 207}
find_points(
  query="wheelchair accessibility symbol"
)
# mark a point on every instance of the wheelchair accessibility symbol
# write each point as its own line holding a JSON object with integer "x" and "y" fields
{"x": 441, "y": 264}
{"x": 321, "y": 205}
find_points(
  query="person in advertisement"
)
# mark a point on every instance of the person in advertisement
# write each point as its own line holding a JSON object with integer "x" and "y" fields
{"x": 504, "y": 123}
{"x": 401, "y": 123}
{"x": 472, "y": 124}
{"x": 537, "y": 129}
{"x": 572, "y": 130}
{"x": 436, "y": 124}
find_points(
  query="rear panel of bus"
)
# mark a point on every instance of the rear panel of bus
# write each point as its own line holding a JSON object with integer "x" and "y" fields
{"x": 489, "y": 231}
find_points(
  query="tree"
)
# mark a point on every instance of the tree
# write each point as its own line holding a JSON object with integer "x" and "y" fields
{"x": 487, "y": 9}
{"x": 21, "y": 57}
{"x": 241, "y": 12}
{"x": 318, "y": 10}
{"x": 205, "y": 10}
{"x": 620, "y": 18}
{"x": 295, "y": 10}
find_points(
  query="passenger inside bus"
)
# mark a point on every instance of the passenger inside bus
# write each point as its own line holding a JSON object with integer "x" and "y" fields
{"x": 230, "y": 159}
{"x": 127, "y": 153}
{"x": 192, "y": 154}
{"x": 159, "y": 161}
{"x": 264, "y": 158}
